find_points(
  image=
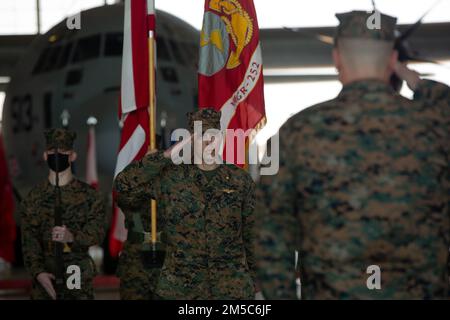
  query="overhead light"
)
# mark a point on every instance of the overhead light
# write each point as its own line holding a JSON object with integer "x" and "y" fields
{"x": 5, "y": 79}
{"x": 326, "y": 39}
{"x": 300, "y": 71}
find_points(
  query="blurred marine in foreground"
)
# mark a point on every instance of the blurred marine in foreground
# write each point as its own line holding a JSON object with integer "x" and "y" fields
{"x": 56, "y": 252}
{"x": 363, "y": 190}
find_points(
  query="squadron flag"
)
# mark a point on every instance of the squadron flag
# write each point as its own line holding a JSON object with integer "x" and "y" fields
{"x": 230, "y": 68}
{"x": 139, "y": 23}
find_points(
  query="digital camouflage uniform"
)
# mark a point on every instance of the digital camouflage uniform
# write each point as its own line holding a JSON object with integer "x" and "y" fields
{"x": 83, "y": 214}
{"x": 208, "y": 223}
{"x": 137, "y": 281}
{"x": 363, "y": 180}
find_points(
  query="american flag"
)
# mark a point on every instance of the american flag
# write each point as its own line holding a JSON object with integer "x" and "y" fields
{"x": 139, "y": 27}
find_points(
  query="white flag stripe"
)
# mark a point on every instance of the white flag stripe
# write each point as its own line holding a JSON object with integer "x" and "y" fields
{"x": 249, "y": 83}
{"x": 120, "y": 232}
{"x": 128, "y": 99}
{"x": 130, "y": 149}
{"x": 151, "y": 7}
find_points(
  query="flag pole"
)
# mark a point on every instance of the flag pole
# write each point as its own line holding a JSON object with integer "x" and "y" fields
{"x": 152, "y": 117}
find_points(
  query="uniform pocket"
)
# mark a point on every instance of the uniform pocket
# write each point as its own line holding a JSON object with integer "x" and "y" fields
{"x": 230, "y": 208}
{"x": 183, "y": 206}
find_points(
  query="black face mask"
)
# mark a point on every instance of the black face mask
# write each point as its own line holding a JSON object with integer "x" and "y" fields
{"x": 63, "y": 161}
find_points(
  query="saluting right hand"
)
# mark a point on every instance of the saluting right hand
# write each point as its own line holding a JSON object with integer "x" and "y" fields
{"x": 176, "y": 148}
{"x": 150, "y": 152}
{"x": 45, "y": 279}
{"x": 411, "y": 77}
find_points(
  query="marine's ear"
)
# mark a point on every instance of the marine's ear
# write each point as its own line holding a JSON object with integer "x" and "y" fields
{"x": 45, "y": 156}
{"x": 393, "y": 62}
{"x": 338, "y": 65}
{"x": 73, "y": 156}
{"x": 337, "y": 58}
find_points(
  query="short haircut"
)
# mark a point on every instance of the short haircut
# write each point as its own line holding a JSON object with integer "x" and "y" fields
{"x": 364, "y": 55}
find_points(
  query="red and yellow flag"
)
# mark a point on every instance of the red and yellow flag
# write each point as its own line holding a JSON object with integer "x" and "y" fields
{"x": 230, "y": 66}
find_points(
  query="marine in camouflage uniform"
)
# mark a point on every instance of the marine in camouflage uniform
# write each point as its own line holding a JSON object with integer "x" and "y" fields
{"x": 208, "y": 222}
{"x": 82, "y": 213}
{"x": 137, "y": 279}
{"x": 363, "y": 180}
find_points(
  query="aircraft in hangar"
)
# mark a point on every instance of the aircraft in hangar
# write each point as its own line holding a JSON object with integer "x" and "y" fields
{"x": 70, "y": 75}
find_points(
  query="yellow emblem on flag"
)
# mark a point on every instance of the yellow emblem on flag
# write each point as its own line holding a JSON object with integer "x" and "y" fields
{"x": 239, "y": 26}
{"x": 215, "y": 38}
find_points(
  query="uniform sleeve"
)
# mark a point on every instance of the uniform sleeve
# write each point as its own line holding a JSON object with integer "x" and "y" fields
{"x": 93, "y": 231}
{"x": 278, "y": 229}
{"x": 433, "y": 92}
{"x": 140, "y": 180}
{"x": 31, "y": 244}
{"x": 437, "y": 95}
{"x": 248, "y": 232}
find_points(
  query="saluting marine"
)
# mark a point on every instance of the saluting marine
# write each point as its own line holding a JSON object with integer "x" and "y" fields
{"x": 363, "y": 181}
{"x": 82, "y": 213}
{"x": 208, "y": 222}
